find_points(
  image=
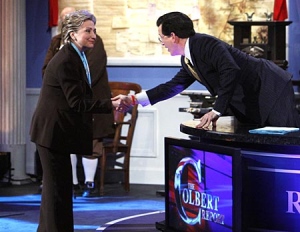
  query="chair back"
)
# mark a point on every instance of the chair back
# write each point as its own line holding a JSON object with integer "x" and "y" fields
{"x": 121, "y": 119}
{"x": 116, "y": 154}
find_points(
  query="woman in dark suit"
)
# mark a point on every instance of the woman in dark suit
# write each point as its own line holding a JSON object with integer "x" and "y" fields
{"x": 257, "y": 91}
{"x": 103, "y": 124}
{"x": 62, "y": 122}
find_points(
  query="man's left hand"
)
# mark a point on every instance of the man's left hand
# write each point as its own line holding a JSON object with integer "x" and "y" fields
{"x": 207, "y": 119}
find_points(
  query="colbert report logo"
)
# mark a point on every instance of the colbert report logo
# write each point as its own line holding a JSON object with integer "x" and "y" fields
{"x": 193, "y": 203}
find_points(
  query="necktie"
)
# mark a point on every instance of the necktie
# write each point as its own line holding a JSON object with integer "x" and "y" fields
{"x": 87, "y": 69}
{"x": 191, "y": 68}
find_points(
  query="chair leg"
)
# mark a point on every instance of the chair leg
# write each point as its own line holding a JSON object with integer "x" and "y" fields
{"x": 126, "y": 181}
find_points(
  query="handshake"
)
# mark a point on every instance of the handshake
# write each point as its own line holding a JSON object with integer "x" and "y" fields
{"x": 123, "y": 103}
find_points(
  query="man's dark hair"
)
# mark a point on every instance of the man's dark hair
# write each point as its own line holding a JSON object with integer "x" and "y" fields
{"x": 176, "y": 22}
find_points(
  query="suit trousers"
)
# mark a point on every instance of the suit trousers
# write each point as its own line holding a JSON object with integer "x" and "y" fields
{"x": 56, "y": 210}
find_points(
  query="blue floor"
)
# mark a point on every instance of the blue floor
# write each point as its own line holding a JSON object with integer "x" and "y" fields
{"x": 19, "y": 207}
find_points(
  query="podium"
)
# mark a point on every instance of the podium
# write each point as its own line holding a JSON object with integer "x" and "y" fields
{"x": 271, "y": 168}
{"x": 203, "y": 185}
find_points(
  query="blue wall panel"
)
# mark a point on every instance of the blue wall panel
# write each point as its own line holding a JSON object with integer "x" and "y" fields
{"x": 37, "y": 40}
{"x": 147, "y": 77}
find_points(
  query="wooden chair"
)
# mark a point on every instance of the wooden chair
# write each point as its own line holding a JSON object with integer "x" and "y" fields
{"x": 119, "y": 148}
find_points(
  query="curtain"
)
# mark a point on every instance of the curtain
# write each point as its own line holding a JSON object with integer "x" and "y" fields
{"x": 280, "y": 10}
{"x": 53, "y": 13}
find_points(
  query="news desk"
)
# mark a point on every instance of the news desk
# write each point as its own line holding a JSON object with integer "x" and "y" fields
{"x": 271, "y": 182}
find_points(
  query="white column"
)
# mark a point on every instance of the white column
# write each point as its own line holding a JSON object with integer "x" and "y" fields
{"x": 13, "y": 84}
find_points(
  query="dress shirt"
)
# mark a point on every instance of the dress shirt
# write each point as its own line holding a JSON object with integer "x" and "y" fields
{"x": 187, "y": 54}
{"x": 142, "y": 98}
{"x": 85, "y": 63}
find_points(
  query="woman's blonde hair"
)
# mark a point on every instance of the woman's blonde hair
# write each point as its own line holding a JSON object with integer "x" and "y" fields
{"x": 73, "y": 21}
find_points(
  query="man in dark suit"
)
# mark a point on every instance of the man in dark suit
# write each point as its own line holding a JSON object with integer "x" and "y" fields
{"x": 255, "y": 90}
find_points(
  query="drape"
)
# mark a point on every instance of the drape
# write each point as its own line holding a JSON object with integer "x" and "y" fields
{"x": 280, "y": 10}
{"x": 53, "y": 13}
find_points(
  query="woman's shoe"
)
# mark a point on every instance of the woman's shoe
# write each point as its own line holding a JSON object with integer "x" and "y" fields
{"x": 90, "y": 190}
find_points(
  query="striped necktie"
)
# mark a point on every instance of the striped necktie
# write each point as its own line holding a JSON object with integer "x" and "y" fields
{"x": 191, "y": 68}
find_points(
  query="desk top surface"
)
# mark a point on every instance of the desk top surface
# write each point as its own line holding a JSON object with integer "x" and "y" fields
{"x": 228, "y": 129}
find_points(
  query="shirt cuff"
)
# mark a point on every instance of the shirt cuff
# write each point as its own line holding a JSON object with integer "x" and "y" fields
{"x": 217, "y": 113}
{"x": 142, "y": 98}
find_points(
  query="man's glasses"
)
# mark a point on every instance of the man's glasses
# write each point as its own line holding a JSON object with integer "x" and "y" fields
{"x": 161, "y": 37}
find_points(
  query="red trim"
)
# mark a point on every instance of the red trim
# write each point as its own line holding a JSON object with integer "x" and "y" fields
{"x": 53, "y": 13}
{"x": 133, "y": 100}
{"x": 280, "y": 10}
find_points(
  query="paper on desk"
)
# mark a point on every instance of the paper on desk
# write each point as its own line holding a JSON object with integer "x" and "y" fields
{"x": 273, "y": 130}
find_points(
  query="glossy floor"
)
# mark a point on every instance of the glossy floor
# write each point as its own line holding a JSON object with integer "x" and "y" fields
{"x": 137, "y": 210}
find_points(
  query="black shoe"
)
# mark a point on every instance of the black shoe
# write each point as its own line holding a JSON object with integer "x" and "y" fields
{"x": 90, "y": 190}
{"x": 77, "y": 190}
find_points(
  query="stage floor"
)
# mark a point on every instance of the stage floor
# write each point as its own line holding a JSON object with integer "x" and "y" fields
{"x": 137, "y": 210}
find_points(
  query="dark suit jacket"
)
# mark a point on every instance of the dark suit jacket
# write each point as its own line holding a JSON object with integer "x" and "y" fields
{"x": 103, "y": 124}
{"x": 63, "y": 118}
{"x": 247, "y": 85}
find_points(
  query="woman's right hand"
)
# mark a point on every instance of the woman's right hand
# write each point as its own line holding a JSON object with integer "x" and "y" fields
{"x": 121, "y": 102}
